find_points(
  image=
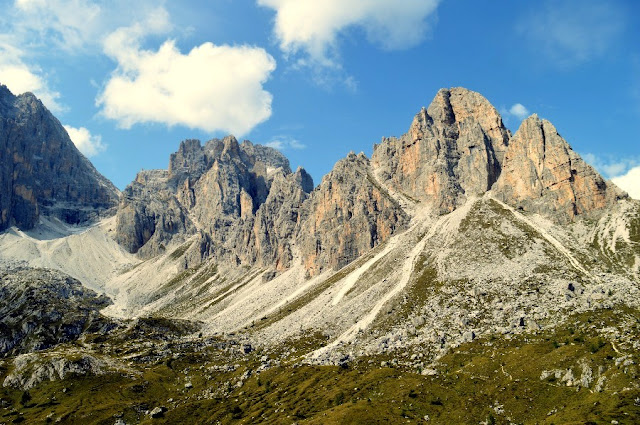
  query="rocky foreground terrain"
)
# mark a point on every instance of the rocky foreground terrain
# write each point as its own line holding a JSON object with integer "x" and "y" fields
{"x": 462, "y": 274}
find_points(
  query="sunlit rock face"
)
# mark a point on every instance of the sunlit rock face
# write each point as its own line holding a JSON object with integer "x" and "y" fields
{"x": 453, "y": 150}
{"x": 542, "y": 174}
{"x": 348, "y": 214}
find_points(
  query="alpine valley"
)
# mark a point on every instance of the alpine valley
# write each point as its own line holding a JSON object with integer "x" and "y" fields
{"x": 462, "y": 274}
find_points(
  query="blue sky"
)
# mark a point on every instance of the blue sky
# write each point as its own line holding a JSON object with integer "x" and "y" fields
{"x": 319, "y": 79}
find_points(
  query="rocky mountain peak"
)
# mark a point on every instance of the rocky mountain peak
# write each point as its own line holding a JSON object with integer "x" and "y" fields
{"x": 188, "y": 149}
{"x": 453, "y": 149}
{"x": 543, "y": 174}
{"x": 303, "y": 179}
{"x": 270, "y": 157}
{"x": 463, "y": 106}
{"x": 42, "y": 172}
{"x": 230, "y": 146}
{"x": 190, "y": 161}
{"x": 7, "y": 100}
{"x": 230, "y": 194}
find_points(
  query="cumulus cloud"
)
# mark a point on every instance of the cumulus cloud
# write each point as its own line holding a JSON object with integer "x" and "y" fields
{"x": 313, "y": 27}
{"x": 629, "y": 182}
{"x": 573, "y": 31}
{"x": 20, "y": 78}
{"x": 611, "y": 167}
{"x": 211, "y": 88}
{"x": 87, "y": 143}
{"x": 519, "y": 111}
{"x": 32, "y": 29}
{"x": 285, "y": 142}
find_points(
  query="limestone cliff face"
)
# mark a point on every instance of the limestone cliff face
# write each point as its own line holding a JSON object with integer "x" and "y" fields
{"x": 542, "y": 174}
{"x": 247, "y": 207}
{"x": 241, "y": 200}
{"x": 41, "y": 171}
{"x": 150, "y": 216}
{"x": 453, "y": 150}
{"x": 276, "y": 221}
{"x": 347, "y": 214}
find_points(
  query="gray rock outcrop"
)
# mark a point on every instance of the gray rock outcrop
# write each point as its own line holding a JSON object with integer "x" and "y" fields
{"x": 40, "y": 308}
{"x": 32, "y": 369}
{"x": 41, "y": 171}
{"x": 150, "y": 216}
{"x": 241, "y": 200}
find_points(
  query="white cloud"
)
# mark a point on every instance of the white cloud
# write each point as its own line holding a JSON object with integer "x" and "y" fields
{"x": 285, "y": 142}
{"x": 87, "y": 143}
{"x": 569, "y": 32}
{"x": 611, "y": 167}
{"x": 313, "y": 27}
{"x": 629, "y": 182}
{"x": 21, "y": 78}
{"x": 70, "y": 24}
{"x": 211, "y": 88}
{"x": 75, "y": 26}
{"x": 519, "y": 111}
{"x": 32, "y": 29}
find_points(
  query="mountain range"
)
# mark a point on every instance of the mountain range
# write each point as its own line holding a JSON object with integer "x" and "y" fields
{"x": 456, "y": 234}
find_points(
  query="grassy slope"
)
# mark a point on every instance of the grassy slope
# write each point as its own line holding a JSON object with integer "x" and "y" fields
{"x": 489, "y": 380}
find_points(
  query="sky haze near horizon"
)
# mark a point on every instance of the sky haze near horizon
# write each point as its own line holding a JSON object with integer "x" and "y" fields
{"x": 319, "y": 79}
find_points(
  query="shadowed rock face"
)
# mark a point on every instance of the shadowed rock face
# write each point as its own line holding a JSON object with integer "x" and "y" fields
{"x": 150, "y": 216}
{"x": 276, "y": 221}
{"x": 542, "y": 174}
{"x": 241, "y": 200}
{"x": 453, "y": 150}
{"x": 41, "y": 171}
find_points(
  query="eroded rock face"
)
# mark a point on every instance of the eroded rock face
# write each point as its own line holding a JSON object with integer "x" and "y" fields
{"x": 347, "y": 214}
{"x": 247, "y": 207}
{"x": 150, "y": 216}
{"x": 240, "y": 199}
{"x": 41, "y": 171}
{"x": 542, "y": 174}
{"x": 453, "y": 150}
{"x": 277, "y": 219}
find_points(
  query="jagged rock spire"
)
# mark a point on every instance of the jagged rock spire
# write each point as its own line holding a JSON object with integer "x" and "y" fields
{"x": 542, "y": 174}
{"x": 453, "y": 150}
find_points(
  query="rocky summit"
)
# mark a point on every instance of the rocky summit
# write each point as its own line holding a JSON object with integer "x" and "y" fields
{"x": 543, "y": 174}
{"x": 462, "y": 274}
{"x": 454, "y": 149}
{"x": 241, "y": 201}
{"x": 42, "y": 172}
